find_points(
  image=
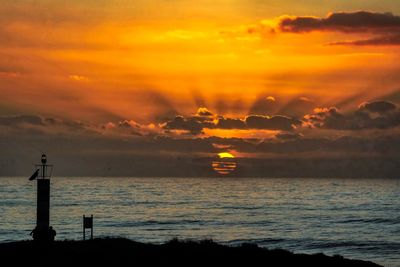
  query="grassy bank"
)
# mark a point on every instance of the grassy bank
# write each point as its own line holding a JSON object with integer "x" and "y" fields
{"x": 124, "y": 252}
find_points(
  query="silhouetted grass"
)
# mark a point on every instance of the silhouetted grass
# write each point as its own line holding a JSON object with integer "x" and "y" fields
{"x": 124, "y": 252}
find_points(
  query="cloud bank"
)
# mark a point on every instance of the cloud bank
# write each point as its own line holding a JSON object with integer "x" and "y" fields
{"x": 348, "y": 22}
{"x": 384, "y": 28}
{"x": 328, "y": 141}
{"x": 369, "y": 115}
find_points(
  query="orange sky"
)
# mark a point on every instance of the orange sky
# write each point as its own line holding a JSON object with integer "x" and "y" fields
{"x": 257, "y": 78}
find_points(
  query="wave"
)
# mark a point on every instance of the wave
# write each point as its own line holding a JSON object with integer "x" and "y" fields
{"x": 259, "y": 241}
{"x": 381, "y": 246}
{"x": 371, "y": 220}
{"x": 317, "y": 244}
{"x": 152, "y": 222}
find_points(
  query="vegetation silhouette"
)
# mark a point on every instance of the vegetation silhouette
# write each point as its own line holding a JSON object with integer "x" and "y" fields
{"x": 121, "y": 252}
{"x": 43, "y": 235}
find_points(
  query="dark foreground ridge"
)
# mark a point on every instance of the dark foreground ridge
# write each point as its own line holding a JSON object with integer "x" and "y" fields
{"x": 124, "y": 252}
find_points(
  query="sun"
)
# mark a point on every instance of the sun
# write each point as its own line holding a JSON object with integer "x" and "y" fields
{"x": 224, "y": 155}
{"x": 224, "y": 164}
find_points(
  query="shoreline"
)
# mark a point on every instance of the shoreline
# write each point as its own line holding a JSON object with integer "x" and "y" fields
{"x": 177, "y": 252}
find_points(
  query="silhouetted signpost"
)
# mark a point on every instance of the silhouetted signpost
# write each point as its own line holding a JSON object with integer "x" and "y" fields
{"x": 87, "y": 223}
{"x": 43, "y": 231}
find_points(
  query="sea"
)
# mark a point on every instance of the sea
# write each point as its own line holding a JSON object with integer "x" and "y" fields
{"x": 356, "y": 218}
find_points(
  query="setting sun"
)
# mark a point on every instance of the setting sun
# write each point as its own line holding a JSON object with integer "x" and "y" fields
{"x": 223, "y": 155}
{"x": 225, "y": 164}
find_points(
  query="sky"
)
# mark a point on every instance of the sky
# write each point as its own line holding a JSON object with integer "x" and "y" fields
{"x": 126, "y": 88}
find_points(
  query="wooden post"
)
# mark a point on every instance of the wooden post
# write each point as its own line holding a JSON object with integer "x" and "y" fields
{"x": 91, "y": 233}
{"x": 88, "y": 223}
{"x": 83, "y": 224}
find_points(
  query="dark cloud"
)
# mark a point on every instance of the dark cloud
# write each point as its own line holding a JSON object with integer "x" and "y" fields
{"x": 385, "y": 25}
{"x": 277, "y": 122}
{"x": 21, "y": 119}
{"x": 360, "y": 21}
{"x": 196, "y": 124}
{"x": 51, "y": 121}
{"x": 128, "y": 124}
{"x": 37, "y": 124}
{"x": 191, "y": 125}
{"x": 329, "y": 118}
{"x": 229, "y": 123}
{"x": 75, "y": 125}
{"x": 288, "y": 136}
{"x": 373, "y": 115}
{"x": 378, "y": 106}
{"x": 377, "y": 41}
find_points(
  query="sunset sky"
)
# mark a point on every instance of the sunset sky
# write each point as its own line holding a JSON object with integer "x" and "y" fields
{"x": 126, "y": 85}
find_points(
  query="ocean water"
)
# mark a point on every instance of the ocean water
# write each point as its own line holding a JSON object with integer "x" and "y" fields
{"x": 356, "y": 218}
